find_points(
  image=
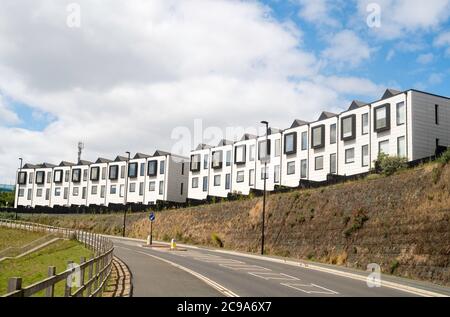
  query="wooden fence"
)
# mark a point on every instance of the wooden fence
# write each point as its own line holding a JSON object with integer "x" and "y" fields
{"x": 92, "y": 274}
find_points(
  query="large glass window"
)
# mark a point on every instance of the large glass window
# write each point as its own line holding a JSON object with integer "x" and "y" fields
{"x": 365, "y": 123}
{"x": 333, "y": 133}
{"x": 401, "y": 113}
{"x": 133, "y": 170}
{"x": 152, "y": 168}
{"x": 319, "y": 163}
{"x": 383, "y": 147}
{"x": 114, "y": 172}
{"x": 22, "y": 178}
{"x": 76, "y": 175}
{"x": 350, "y": 156}
{"x": 240, "y": 177}
{"x": 95, "y": 173}
{"x": 195, "y": 163}
{"x": 304, "y": 141}
{"x": 264, "y": 150}
{"x": 318, "y": 137}
{"x": 216, "y": 180}
{"x": 290, "y": 143}
{"x": 217, "y": 159}
{"x": 382, "y": 118}
{"x": 58, "y": 176}
{"x": 333, "y": 167}
{"x": 40, "y": 177}
{"x": 239, "y": 154}
{"x": 304, "y": 169}
{"x": 401, "y": 146}
{"x": 290, "y": 168}
{"x": 365, "y": 155}
{"x": 348, "y": 128}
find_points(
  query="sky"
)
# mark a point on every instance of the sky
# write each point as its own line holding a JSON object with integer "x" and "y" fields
{"x": 144, "y": 75}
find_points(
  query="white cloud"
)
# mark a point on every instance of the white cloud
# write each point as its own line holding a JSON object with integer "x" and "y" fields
{"x": 347, "y": 49}
{"x": 425, "y": 58}
{"x": 7, "y": 116}
{"x": 132, "y": 73}
{"x": 443, "y": 40}
{"x": 318, "y": 11}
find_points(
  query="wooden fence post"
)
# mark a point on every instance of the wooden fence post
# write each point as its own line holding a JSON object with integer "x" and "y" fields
{"x": 50, "y": 291}
{"x": 90, "y": 274}
{"x": 68, "y": 288}
{"x": 82, "y": 271}
{"x": 14, "y": 284}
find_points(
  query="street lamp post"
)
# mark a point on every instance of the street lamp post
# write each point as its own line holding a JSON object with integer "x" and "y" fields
{"x": 126, "y": 195}
{"x": 18, "y": 189}
{"x": 266, "y": 157}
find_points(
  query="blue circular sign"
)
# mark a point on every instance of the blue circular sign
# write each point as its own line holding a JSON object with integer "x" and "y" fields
{"x": 152, "y": 217}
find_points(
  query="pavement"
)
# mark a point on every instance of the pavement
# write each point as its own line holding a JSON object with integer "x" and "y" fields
{"x": 202, "y": 272}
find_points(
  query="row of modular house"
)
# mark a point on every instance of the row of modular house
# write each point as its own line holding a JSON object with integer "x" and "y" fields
{"x": 410, "y": 124}
{"x": 148, "y": 179}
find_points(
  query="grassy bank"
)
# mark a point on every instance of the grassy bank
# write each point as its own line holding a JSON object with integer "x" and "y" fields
{"x": 17, "y": 238}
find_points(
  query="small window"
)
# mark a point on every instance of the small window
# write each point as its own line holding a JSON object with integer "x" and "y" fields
{"x": 333, "y": 167}
{"x": 195, "y": 163}
{"x": 276, "y": 174}
{"x": 304, "y": 169}
{"x": 103, "y": 172}
{"x": 290, "y": 168}
{"x": 383, "y": 147}
{"x": 161, "y": 187}
{"x": 252, "y": 153}
{"x": 304, "y": 141}
{"x": 66, "y": 193}
{"x": 348, "y": 125}
{"x": 227, "y": 181}
{"x": 319, "y": 163}
{"x": 21, "y": 192}
{"x": 277, "y": 148}
{"x": 114, "y": 172}
{"x": 122, "y": 171}
{"x": 58, "y": 176}
{"x": 205, "y": 183}
{"x": 141, "y": 189}
{"x": 195, "y": 182}
{"x": 365, "y": 156}
{"x": 132, "y": 170}
{"x": 29, "y": 193}
{"x": 102, "y": 191}
{"x": 85, "y": 174}
{"x": 49, "y": 177}
{"x": 401, "y": 113}
{"x": 30, "y": 178}
{"x": 76, "y": 175}
{"x": 290, "y": 143}
{"x": 205, "y": 161}
{"x": 47, "y": 194}
{"x": 75, "y": 191}
{"x": 240, "y": 178}
{"x": 122, "y": 190}
{"x": 181, "y": 189}
{"x": 436, "y": 114}
{"x": 239, "y": 154}
{"x": 264, "y": 150}
{"x": 152, "y": 168}
{"x": 113, "y": 190}
{"x": 217, "y": 180}
{"x": 318, "y": 137}
{"x": 365, "y": 124}
{"x": 264, "y": 172}
{"x": 251, "y": 177}
{"x": 22, "y": 178}
{"x": 95, "y": 173}
{"x": 333, "y": 133}
{"x": 67, "y": 176}
{"x": 152, "y": 186}
{"x": 39, "y": 192}
{"x": 132, "y": 187}
{"x": 228, "y": 158}
{"x": 142, "y": 169}
{"x": 401, "y": 146}
{"x": 382, "y": 118}
{"x": 83, "y": 193}
{"x": 94, "y": 190}
{"x": 40, "y": 177}
{"x": 162, "y": 167}
{"x": 182, "y": 168}
{"x": 350, "y": 156}
{"x": 217, "y": 157}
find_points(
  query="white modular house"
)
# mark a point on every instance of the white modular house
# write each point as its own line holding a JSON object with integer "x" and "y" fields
{"x": 295, "y": 154}
{"x": 244, "y": 165}
{"x": 199, "y": 172}
{"x": 166, "y": 178}
{"x": 42, "y": 184}
{"x": 98, "y": 182}
{"x": 323, "y": 147}
{"x": 78, "y": 195}
{"x": 137, "y": 178}
{"x": 272, "y": 171}
{"x": 25, "y": 186}
{"x": 117, "y": 171}
{"x": 221, "y": 169}
{"x": 61, "y": 184}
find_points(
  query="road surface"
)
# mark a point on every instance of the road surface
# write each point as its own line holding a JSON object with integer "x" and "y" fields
{"x": 199, "y": 272}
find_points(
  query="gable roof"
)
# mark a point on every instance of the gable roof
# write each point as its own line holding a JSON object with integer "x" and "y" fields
{"x": 248, "y": 136}
{"x": 161, "y": 153}
{"x": 65, "y": 163}
{"x": 298, "y": 123}
{"x": 29, "y": 166}
{"x": 141, "y": 156}
{"x": 84, "y": 162}
{"x": 120, "y": 159}
{"x": 326, "y": 115}
{"x": 356, "y": 104}
{"x": 390, "y": 93}
{"x": 225, "y": 142}
{"x": 45, "y": 165}
{"x": 102, "y": 160}
{"x": 203, "y": 146}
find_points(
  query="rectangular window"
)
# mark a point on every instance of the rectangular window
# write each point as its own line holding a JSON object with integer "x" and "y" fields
{"x": 290, "y": 168}
{"x": 76, "y": 191}
{"x": 251, "y": 177}
{"x": 304, "y": 141}
{"x": 152, "y": 186}
{"x": 21, "y": 192}
{"x": 277, "y": 148}
{"x": 30, "y": 178}
{"x": 205, "y": 183}
{"x": 252, "y": 153}
{"x": 365, "y": 124}
{"x": 227, "y": 181}
{"x": 318, "y": 137}
{"x": 290, "y": 143}
{"x": 162, "y": 167}
{"x": 319, "y": 163}
{"x": 228, "y": 161}
{"x": 194, "y": 182}
{"x": 401, "y": 146}
{"x": 205, "y": 161}
{"x": 95, "y": 173}
{"x": 94, "y": 190}
{"x": 240, "y": 177}
{"x": 161, "y": 187}
{"x": 333, "y": 133}
{"x": 333, "y": 163}
{"x": 40, "y": 177}
{"x": 195, "y": 163}
{"x": 66, "y": 192}
{"x": 76, "y": 175}
{"x": 383, "y": 147}
{"x": 47, "y": 194}
{"x": 142, "y": 169}
{"x": 264, "y": 172}
{"x": 239, "y": 154}
{"x": 276, "y": 174}
{"x": 122, "y": 190}
{"x": 102, "y": 191}
{"x": 39, "y": 192}
{"x": 85, "y": 175}
{"x": 181, "y": 189}
{"x": 103, "y": 173}
{"x": 436, "y": 114}
{"x": 152, "y": 168}
{"x": 182, "y": 168}
{"x": 348, "y": 125}
{"x": 49, "y": 177}
{"x": 67, "y": 176}
{"x": 58, "y": 176}
{"x": 217, "y": 180}
{"x": 83, "y": 193}
{"x": 365, "y": 155}
{"x": 382, "y": 118}
{"x": 141, "y": 189}
{"x": 264, "y": 150}
{"x": 401, "y": 113}
{"x": 304, "y": 169}
{"x": 132, "y": 187}
{"x": 122, "y": 172}
{"x": 22, "y": 178}
{"x": 217, "y": 159}
{"x": 29, "y": 194}
{"x": 350, "y": 156}
{"x": 57, "y": 191}
{"x": 114, "y": 172}
{"x": 132, "y": 170}
{"x": 113, "y": 190}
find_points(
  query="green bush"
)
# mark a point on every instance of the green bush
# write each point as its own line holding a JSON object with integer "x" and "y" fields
{"x": 216, "y": 240}
{"x": 389, "y": 165}
{"x": 445, "y": 157}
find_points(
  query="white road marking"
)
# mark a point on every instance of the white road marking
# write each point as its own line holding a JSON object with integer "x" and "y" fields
{"x": 245, "y": 267}
{"x": 311, "y": 288}
{"x": 274, "y": 276}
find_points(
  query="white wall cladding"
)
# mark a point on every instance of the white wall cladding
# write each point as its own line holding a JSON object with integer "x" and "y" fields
{"x": 78, "y": 193}
{"x": 244, "y": 184}
{"x": 222, "y": 187}
{"x": 60, "y": 193}
{"x": 177, "y": 178}
{"x": 26, "y": 190}
{"x": 287, "y": 178}
{"x": 275, "y": 160}
{"x": 198, "y": 192}
{"x": 41, "y": 192}
{"x": 117, "y": 195}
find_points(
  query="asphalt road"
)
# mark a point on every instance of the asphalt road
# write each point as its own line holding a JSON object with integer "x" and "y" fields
{"x": 203, "y": 272}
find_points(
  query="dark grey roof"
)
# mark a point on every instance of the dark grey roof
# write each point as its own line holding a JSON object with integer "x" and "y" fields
{"x": 161, "y": 153}
{"x": 65, "y": 163}
{"x": 225, "y": 142}
{"x": 356, "y": 104}
{"x": 248, "y": 136}
{"x": 298, "y": 123}
{"x": 29, "y": 166}
{"x": 120, "y": 159}
{"x": 326, "y": 115}
{"x": 141, "y": 156}
{"x": 84, "y": 162}
{"x": 390, "y": 93}
{"x": 45, "y": 165}
{"x": 102, "y": 160}
{"x": 203, "y": 147}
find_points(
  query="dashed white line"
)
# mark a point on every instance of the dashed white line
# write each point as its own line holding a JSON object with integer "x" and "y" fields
{"x": 311, "y": 288}
{"x": 274, "y": 276}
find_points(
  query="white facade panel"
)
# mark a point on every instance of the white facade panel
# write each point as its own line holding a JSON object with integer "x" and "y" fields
{"x": 243, "y": 174}
{"x": 291, "y": 169}
{"x": 42, "y": 187}
{"x": 273, "y": 167}
{"x": 221, "y": 177}
{"x": 61, "y": 186}
{"x": 199, "y": 178}
{"x": 116, "y": 184}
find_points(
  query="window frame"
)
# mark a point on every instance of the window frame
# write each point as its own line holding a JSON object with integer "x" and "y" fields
{"x": 58, "y": 180}
{"x": 333, "y": 167}
{"x": 288, "y": 165}
{"x": 351, "y": 117}
{"x": 333, "y": 140}
{"x": 111, "y": 168}
{"x": 304, "y": 141}
{"x": 268, "y": 153}
{"x": 294, "y": 143}
{"x": 91, "y": 177}
{"x": 213, "y": 160}
{"x": 76, "y": 172}
{"x": 244, "y": 153}
{"x": 398, "y": 146}
{"x": 217, "y": 177}
{"x": 42, "y": 173}
{"x": 315, "y": 163}
{"x": 362, "y": 156}
{"x": 376, "y": 129}
{"x": 198, "y": 163}
{"x": 136, "y": 171}
{"x": 365, "y": 115}
{"x": 239, "y": 173}
{"x": 397, "y": 113}
{"x": 346, "y": 158}
{"x": 196, "y": 182}
{"x": 155, "y": 168}
{"x": 322, "y": 137}
{"x": 22, "y": 178}
{"x": 301, "y": 169}
{"x": 379, "y": 146}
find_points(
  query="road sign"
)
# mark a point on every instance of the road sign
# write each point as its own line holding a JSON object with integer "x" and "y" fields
{"x": 152, "y": 217}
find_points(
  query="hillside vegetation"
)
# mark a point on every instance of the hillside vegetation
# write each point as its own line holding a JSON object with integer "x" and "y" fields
{"x": 401, "y": 222}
